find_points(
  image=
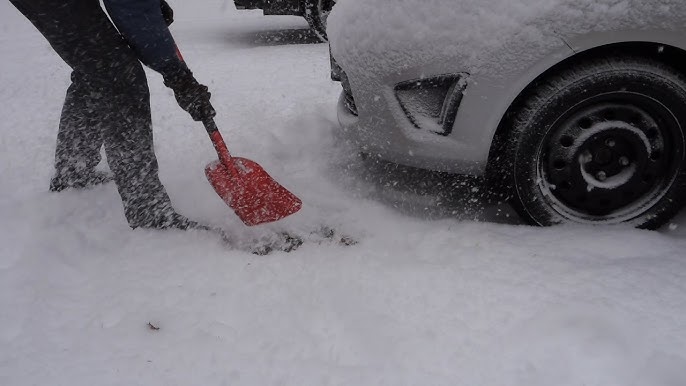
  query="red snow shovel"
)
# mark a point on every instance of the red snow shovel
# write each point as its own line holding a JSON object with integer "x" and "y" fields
{"x": 247, "y": 188}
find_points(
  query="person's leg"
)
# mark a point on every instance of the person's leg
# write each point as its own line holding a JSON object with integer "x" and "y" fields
{"x": 77, "y": 152}
{"x": 78, "y": 142}
{"x": 110, "y": 82}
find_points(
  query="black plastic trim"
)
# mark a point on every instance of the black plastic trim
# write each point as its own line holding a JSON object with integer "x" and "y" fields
{"x": 457, "y": 85}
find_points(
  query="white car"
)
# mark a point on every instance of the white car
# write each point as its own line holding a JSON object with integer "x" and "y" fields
{"x": 574, "y": 110}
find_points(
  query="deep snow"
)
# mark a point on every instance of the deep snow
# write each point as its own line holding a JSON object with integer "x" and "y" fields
{"x": 424, "y": 298}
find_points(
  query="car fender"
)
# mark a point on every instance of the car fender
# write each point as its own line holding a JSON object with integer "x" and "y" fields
{"x": 487, "y": 99}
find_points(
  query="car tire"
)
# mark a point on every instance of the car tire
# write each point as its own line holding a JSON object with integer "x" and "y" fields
{"x": 600, "y": 142}
{"x": 316, "y": 13}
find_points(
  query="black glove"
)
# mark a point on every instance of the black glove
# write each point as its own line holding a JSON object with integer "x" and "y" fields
{"x": 191, "y": 95}
{"x": 167, "y": 12}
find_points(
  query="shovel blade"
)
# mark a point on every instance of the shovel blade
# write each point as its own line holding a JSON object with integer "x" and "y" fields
{"x": 254, "y": 195}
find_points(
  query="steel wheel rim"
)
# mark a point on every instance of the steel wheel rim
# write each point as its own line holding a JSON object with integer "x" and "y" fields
{"x": 610, "y": 157}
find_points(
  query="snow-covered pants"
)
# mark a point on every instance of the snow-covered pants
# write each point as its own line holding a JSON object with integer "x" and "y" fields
{"x": 107, "y": 103}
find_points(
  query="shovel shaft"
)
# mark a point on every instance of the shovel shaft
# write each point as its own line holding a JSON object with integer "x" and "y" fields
{"x": 220, "y": 147}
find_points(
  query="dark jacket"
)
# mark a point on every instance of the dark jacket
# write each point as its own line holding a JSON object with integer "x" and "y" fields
{"x": 142, "y": 24}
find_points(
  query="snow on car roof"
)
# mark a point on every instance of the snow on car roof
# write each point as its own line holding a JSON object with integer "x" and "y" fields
{"x": 384, "y": 35}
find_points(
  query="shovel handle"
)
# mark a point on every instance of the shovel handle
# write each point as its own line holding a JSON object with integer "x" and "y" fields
{"x": 220, "y": 146}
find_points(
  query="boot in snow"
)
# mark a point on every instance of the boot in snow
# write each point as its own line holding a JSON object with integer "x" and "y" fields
{"x": 171, "y": 220}
{"x": 79, "y": 181}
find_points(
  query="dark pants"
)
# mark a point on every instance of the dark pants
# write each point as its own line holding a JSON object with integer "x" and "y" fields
{"x": 107, "y": 103}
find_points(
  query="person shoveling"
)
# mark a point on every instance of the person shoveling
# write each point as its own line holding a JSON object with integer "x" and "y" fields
{"x": 108, "y": 103}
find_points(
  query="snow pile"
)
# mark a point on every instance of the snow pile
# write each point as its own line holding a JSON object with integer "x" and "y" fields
{"x": 383, "y": 36}
{"x": 587, "y": 345}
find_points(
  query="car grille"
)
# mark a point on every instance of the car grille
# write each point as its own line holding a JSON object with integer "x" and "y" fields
{"x": 348, "y": 98}
{"x": 338, "y": 75}
{"x": 349, "y": 102}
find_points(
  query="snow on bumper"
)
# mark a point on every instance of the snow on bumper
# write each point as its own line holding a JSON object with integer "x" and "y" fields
{"x": 381, "y": 128}
{"x": 503, "y": 44}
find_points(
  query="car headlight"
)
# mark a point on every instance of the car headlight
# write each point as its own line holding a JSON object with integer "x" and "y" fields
{"x": 431, "y": 103}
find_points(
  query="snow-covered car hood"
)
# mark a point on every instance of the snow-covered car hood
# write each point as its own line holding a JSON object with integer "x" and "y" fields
{"x": 384, "y": 36}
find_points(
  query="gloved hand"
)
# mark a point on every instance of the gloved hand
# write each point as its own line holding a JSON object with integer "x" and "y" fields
{"x": 191, "y": 95}
{"x": 167, "y": 12}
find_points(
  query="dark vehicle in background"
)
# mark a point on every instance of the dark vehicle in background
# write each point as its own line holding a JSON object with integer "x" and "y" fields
{"x": 316, "y": 12}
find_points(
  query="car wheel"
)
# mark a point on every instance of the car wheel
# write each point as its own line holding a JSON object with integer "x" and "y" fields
{"x": 316, "y": 13}
{"x": 601, "y": 142}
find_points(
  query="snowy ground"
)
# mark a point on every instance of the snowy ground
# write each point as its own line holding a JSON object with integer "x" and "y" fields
{"x": 424, "y": 298}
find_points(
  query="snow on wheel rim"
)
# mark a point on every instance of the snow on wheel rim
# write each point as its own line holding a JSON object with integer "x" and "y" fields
{"x": 611, "y": 159}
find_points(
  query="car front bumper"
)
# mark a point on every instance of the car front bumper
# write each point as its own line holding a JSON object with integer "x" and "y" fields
{"x": 385, "y": 132}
